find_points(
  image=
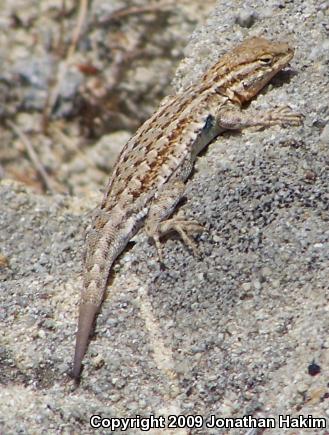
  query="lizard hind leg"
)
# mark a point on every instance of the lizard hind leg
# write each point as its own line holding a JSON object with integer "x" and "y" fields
{"x": 158, "y": 223}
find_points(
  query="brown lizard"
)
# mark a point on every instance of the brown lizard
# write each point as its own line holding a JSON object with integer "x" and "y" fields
{"x": 149, "y": 177}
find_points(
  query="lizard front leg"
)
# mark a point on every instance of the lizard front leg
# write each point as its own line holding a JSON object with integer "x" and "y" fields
{"x": 236, "y": 119}
{"x": 157, "y": 223}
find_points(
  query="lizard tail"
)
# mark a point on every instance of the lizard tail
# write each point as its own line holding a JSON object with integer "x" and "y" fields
{"x": 87, "y": 314}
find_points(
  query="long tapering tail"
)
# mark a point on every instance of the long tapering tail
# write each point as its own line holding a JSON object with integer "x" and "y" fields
{"x": 87, "y": 315}
{"x": 107, "y": 237}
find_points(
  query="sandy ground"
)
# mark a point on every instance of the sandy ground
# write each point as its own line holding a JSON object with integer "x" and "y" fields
{"x": 242, "y": 330}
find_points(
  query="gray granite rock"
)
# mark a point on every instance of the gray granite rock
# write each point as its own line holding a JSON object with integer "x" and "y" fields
{"x": 229, "y": 334}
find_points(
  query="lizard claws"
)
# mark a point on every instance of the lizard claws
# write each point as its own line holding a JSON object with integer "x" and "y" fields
{"x": 183, "y": 227}
{"x": 285, "y": 116}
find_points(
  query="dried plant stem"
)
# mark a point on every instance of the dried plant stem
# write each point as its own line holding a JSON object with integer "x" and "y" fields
{"x": 32, "y": 155}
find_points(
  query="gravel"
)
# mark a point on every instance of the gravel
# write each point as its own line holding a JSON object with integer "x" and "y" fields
{"x": 235, "y": 332}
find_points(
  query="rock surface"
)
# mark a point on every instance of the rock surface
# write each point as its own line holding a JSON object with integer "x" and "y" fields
{"x": 241, "y": 331}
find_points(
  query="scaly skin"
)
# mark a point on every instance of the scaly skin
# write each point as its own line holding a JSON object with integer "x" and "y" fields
{"x": 149, "y": 177}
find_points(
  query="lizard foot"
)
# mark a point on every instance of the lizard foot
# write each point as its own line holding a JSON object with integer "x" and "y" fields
{"x": 283, "y": 116}
{"x": 183, "y": 227}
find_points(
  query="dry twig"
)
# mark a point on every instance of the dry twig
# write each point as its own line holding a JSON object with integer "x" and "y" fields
{"x": 63, "y": 65}
{"x": 123, "y": 12}
{"x": 77, "y": 31}
{"x": 32, "y": 155}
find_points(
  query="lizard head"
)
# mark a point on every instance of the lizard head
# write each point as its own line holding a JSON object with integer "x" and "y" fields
{"x": 244, "y": 71}
{"x": 258, "y": 60}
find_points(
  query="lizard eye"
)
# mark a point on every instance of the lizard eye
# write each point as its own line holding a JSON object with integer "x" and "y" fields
{"x": 266, "y": 60}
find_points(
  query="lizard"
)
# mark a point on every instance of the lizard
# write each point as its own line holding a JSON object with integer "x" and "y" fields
{"x": 149, "y": 178}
